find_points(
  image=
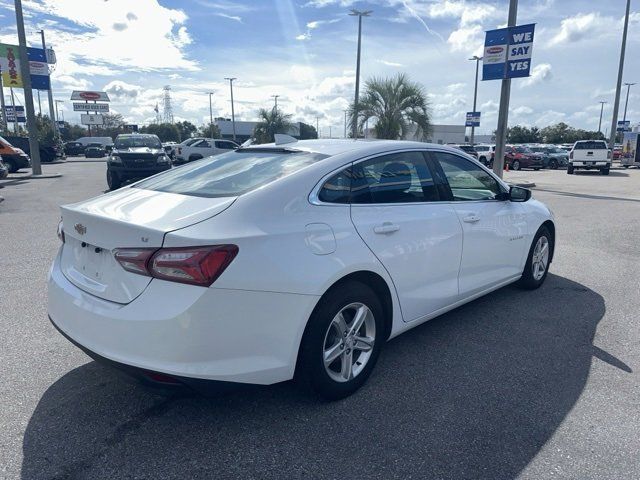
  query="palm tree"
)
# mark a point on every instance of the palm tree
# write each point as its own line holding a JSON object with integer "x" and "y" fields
{"x": 397, "y": 104}
{"x": 271, "y": 122}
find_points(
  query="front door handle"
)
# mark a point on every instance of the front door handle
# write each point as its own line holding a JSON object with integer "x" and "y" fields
{"x": 386, "y": 227}
{"x": 473, "y": 218}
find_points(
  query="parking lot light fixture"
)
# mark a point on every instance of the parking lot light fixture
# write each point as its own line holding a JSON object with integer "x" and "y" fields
{"x": 233, "y": 114}
{"x": 359, "y": 14}
{"x": 275, "y": 106}
{"x": 475, "y": 95}
{"x": 614, "y": 119}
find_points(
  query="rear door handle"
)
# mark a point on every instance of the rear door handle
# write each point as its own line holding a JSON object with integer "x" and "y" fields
{"x": 473, "y": 218}
{"x": 386, "y": 227}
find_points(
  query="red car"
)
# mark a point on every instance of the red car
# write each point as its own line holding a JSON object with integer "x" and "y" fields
{"x": 518, "y": 157}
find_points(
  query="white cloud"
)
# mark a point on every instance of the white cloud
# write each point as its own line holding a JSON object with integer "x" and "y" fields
{"x": 539, "y": 73}
{"x": 390, "y": 64}
{"x": 230, "y": 17}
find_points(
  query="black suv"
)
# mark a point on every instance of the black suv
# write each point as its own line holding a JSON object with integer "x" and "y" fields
{"x": 135, "y": 156}
{"x": 73, "y": 148}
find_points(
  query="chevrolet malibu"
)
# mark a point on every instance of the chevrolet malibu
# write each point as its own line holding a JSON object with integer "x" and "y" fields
{"x": 288, "y": 260}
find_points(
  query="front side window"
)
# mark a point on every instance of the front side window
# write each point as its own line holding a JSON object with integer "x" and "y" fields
{"x": 394, "y": 178}
{"x": 467, "y": 180}
{"x": 230, "y": 174}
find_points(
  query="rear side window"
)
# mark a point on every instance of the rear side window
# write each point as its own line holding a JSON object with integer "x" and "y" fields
{"x": 337, "y": 189}
{"x": 395, "y": 178}
{"x": 594, "y": 145}
{"x": 230, "y": 174}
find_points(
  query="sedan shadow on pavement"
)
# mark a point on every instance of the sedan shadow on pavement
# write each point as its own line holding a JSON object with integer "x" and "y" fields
{"x": 475, "y": 394}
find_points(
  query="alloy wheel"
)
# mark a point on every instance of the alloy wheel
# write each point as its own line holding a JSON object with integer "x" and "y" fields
{"x": 540, "y": 258}
{"x": 348, "y": 342}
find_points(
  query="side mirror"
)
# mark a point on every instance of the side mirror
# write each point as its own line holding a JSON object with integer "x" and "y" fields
{"x": 519, "y": 194}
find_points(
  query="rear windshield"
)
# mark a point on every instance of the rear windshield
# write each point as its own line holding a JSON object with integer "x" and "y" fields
{"x": 590, "y": 146}
{"x": 138, "y": 141}
{"x": 465, "y": 148}
{"x": 230, "y": 174}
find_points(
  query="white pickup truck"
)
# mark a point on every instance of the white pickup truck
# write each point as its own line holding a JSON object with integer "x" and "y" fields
{"x": 204, "y": 147}
{"x": 590, "y": 155}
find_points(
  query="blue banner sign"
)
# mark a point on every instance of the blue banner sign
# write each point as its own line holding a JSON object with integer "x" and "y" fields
{"x": 507, "y": 52}
{"x": 473, "y": 119}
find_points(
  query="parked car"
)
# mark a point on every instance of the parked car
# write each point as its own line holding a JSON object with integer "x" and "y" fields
{"x": 168, "y": 148}
{"x": 135, "y": 156}
{"x": 48, "y": 153}
{"x": 106, "y": 142}
{"x": 288, "y": 260}
{"x": 486, "y": 154}
{"x": 552, "y": 156}
{"x": 204, "y": 147}
{"x": 519, "y": 156}
{"x": 95, "y": 150}
{"x": 14, "y": 158}
{"x": 74, "y": 148}
{"x": 617, "y": 152}
{"x": 590, "y": 155}
{"x": 184, "y": 143}
{"x": 468, "y": 149}
{"x": 4, "y": 170}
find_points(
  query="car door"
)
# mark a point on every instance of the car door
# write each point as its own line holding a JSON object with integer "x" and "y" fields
{"x": 494, "y": 229}
{"x": 396, "y": 209}
{"x": 203, "y": 147}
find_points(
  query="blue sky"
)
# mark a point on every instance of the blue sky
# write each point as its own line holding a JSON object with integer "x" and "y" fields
{"x": 304, "y": 51}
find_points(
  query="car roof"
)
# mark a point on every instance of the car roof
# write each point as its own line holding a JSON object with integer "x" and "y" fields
{"x": 332, "y": 147}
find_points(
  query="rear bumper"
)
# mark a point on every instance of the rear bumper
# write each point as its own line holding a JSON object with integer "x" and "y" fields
{"x": 187, "y": 332}
{"x": 591, "y": 164}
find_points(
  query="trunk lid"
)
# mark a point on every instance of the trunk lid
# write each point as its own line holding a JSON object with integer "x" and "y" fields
{"x": 126, "y": 218}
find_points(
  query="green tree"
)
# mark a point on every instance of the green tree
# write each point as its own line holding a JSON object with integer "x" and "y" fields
{"x": 520, "y": 134}
{"x": 186, "y": 129}
{"x": 397, "y": 104}
{"x": 307, "y": 131}
{"x": 166, "y": 132}
{"x": 210, "y": 130}
{"x": 271, "y": 122}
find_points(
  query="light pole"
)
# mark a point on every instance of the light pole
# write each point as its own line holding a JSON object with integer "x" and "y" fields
{"x": 614, "y": 120}
{"x": 601, "y": 110}
{"x": 345, "y": 123}
{"x": 233, "y": 114}
{"x": 58, "y": 113}
{"x": 359, "y": 14}
{"x": 317, "y": 127}
{"x": 50, "y": 91}
{"x": 475, "y": 95}
{"x": 628, "y": 85}
{"x": 210, "y": 115}
{"x": 275, "y": 98}
{"x": 28, "y": 94}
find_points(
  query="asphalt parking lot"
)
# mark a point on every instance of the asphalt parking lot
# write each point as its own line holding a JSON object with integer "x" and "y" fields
{"x": 528, "y": 385}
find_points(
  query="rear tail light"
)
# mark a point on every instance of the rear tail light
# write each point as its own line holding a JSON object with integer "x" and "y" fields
{"x": 192, "y": 265}
{"x": 608, "y": 154}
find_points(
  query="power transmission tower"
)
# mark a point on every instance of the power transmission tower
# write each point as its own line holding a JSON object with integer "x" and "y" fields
{"x": 167, "y": 110}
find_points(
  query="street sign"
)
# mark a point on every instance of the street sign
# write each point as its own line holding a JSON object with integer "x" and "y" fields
{"x": 507, "y": 52}
{"x": 473, "y": 119}
{"x": 91, "y": 119}
{"x": 90, "y": 96}
{"x": 131, "y": 128}
{"x": 90, "y": 107}
{"x": 624, "y": 126}
{"x": 11, "y": 115}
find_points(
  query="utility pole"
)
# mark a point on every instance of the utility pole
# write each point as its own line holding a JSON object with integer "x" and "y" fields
{"x": 475, "y": 96}
{"x": 359, "y": 14}
{"x": 233, "y": 115}
{"x": 15, "y": 113}
{"x": 210, "y": 115}
{"x": 614, "y": 120}
{"x": 329, "y": 131}
{"x": 317, "y": 127}
{"x": 28, "y": 94}
{"x": 275, "y": 107}
{"x": 345, "y": 123}
{"x": 57, "y": 112}
{"x": 626, "y": 103}
{"x": 3, "y": 126}
{"x": 601, "y": 110}
{"x": 50, "y": 91}
{"x": 503, "y": 112}
{"x": 39, "y": 104}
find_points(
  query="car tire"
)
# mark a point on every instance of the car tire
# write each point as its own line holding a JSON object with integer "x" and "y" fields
{"x": 536, "y": 169}
{"x": 538, "y": 261}
{"x": 604, "y": 171}
{"x": 570, "y": 169}
{"x": 113, "y": 180}
{"x": 335, "y": 380}
{"x": 515, "y": 165}
{"x": 625, "y": 166}
{"x": 553, "y": 165}
{"x": 11, "y": 165}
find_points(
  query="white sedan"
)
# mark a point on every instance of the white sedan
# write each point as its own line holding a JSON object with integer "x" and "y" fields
{"x": 289, "y": 260}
